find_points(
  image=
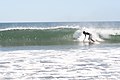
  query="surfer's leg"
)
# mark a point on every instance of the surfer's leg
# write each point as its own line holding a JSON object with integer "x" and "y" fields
{"x": 90, "y": 38}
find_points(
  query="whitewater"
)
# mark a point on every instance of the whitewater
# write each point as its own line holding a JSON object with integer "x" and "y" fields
{"x": 56, "y": 51}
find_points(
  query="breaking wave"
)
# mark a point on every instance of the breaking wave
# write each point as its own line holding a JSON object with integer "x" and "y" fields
{"x": 54, "y": 35}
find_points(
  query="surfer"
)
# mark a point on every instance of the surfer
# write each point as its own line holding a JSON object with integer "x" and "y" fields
{"x": 90, "y": 36}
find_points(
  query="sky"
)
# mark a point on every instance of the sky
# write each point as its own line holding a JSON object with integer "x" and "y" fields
{"x": 59, "y": 10}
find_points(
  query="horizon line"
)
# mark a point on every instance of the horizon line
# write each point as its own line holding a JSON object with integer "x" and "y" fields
{"x": 58, "y": 21}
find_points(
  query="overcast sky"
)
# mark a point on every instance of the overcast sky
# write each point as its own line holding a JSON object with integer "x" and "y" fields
{"x": 59, "y": 10}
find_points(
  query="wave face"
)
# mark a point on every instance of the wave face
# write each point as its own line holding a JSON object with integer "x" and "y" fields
{"x": 36, "y": 37}
{"x": 23, "y": 34}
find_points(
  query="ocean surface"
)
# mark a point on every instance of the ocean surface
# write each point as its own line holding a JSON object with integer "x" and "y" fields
{"x": 56, "y": 51}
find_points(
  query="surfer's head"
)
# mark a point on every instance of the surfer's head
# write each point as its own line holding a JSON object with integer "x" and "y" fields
{"x": 83, "y": 32}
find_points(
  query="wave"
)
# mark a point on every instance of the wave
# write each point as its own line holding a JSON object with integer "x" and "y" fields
{"x": 62, "y": 35}
{"x": 47, "y": 36}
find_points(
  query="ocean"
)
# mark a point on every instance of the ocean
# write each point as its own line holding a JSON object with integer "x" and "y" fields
{"x": 56, "y": 51}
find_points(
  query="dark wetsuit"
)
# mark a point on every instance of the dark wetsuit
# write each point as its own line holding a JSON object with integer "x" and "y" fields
{"x": 90, "y": 36}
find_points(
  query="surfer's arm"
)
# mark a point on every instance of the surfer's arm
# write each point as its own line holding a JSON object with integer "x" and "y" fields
{"x": 84, "y": 38}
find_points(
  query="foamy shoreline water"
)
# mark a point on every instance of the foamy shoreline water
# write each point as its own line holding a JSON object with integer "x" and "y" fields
{"x": 81, "y": 63}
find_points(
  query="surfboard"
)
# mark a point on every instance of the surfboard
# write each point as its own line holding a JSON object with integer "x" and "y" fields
{"x": 90, "y": 42}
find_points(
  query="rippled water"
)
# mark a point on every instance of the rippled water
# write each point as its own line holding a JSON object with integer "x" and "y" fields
{"x": 81, "y": 63}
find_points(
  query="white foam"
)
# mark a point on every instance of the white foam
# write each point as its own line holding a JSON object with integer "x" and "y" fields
{"x": 60, "y": 64}
{"x": 38, "y": 28}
